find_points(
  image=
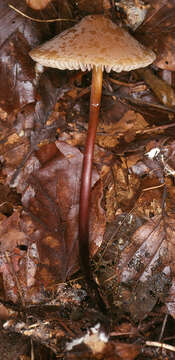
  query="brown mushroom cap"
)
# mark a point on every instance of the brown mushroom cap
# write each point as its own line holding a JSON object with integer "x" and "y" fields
{"x": 94, "y": 41}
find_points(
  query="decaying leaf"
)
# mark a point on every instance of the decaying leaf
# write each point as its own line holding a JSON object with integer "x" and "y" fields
{"x": 126, "y": 127}
{"x": 170, "y": 303}
{"x": 142, "y": 273}
{"x": 159, "y": 26}
{"x": 48, "y": 229}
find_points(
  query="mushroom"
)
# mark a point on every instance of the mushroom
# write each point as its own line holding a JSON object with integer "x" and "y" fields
{"x": 97, "y": 44}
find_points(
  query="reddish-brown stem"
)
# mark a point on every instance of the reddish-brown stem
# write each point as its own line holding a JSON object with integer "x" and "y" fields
{"x": 96, "y": 89}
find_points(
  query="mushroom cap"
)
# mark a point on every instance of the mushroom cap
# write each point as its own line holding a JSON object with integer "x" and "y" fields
{"x": 94, "y": 41}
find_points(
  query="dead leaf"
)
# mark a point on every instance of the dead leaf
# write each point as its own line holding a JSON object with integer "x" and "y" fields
{"x": 17, "y": 90}
{"x": 48, "y": 229}
{"x": 170, "y": 303}
{"x": 158, "y": 32}
{"x": 52, "y": 199}
{"x": 142, "y": 273}
{"x": 126, "y": 127}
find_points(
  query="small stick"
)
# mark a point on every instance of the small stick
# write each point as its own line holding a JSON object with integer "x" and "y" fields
{"x": 153, "y": 187}
{"x": 123, "y": 83}
{"x": 161, "y": 345}
{"x": 38, "y": 20}
{"x": 163, "y": 326}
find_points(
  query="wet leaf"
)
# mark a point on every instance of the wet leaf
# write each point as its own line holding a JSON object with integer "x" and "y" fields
{"x": 52, "y": 197}
{"x": 48, "y": 229}
{"x": 145, "y": 261}
{"x": 17, "y": 68}
{"x": 170, "y": 303}
{"x": 25, "y": 100}
{"x": 159, "y": 29}
{"x": 142, "y": 273}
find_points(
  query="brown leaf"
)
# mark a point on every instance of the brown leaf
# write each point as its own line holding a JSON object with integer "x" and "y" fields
{"x": 13, "y": 247}
{"x": 145, "y": 260}
{"x": 52, "y": 199}
{"x": 126, "y": 127}
{"x": 17, "y": 73}
{"x": 142, "y": 274}
{"x": 25, "y": 100}
{"x": 39, "y": 247}
{"x": 158, "y": 32}
{"x": 14, "y": 150}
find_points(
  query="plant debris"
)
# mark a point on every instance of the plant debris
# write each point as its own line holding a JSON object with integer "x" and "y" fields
{"x": 45, "y": 308}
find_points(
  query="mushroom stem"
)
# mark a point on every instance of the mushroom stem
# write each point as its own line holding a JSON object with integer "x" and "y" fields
{"x": 96, "y": 89}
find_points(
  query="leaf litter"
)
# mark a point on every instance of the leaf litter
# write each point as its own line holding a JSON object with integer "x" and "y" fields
{"x": 132, "y": 208}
